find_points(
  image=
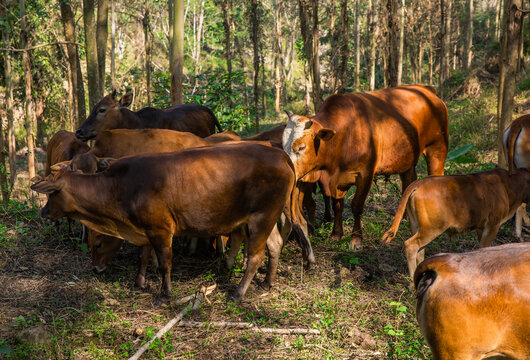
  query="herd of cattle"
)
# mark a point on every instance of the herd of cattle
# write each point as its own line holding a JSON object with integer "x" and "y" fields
{"x": 153, "y": 175}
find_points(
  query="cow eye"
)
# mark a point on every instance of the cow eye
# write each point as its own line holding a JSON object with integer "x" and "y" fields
{"x": 98, "y": 245}
{"x": 102, "y": 110}
{"x": 301, "y": 148}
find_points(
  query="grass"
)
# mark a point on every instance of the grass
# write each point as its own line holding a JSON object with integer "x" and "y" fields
{"x": 359, "y": 301}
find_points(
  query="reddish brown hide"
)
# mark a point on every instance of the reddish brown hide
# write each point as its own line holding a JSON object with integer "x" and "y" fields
{"x": 357, "y": 136}
{"x": 110, "y": 113}
{"x": 202, "y": 192}
{"x": 516, "y": 142}
{"x": 460, "y": 203}
{"x": 476, "y": 305}
{"x": 61, "y": 147}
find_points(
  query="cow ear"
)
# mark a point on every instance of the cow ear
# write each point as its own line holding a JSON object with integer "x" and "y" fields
{"x": 61, "y": 165}
{"x": 326, "y": 134}
{"x": 104, "y": 163}
{"x": 36, "y": 179}
{"x": 308, "y": 124}
{"x": 126, "y": 100}
{"x": 114, "y": 94}
{"x": 45, "y": 187}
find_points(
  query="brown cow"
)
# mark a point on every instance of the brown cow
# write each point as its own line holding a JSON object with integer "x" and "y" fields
{"x": 205, "y": 191}
{"x": 461, "y": 203}
{"x": 357, "y": 136}
{"x": 476, "y": 305}
{"x": 61, "y": 147}
{"x": 516, "y": 141}
{"x": 110, "y": 113}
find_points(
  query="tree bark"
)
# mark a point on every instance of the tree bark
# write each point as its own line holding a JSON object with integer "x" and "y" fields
{"x": 225, "y": 7}
{"x": 469, "y": 37}
{"x": 392, "y": 73}
{"x": 513, "y": 22}
{"x": 30, "y": 114}
{"x": 357, "y": 44}
{"x": 255, "y": 20}
{"x": 147, "y": 47}
{"x": 113, "y": 45}
{"x": 444, "y": 44}
{"x": 92, "y": 68}
{"x": 8, "y": 73}
{"x": 278, "y": 61}
{"x": 309, "y": 27}
{"x": 102, "y": 33}
{"x": 177, "y": 49}
{"x": 498, "y": 17}
{"x": 372, "y": 16}
{"x": 344, "y": 48}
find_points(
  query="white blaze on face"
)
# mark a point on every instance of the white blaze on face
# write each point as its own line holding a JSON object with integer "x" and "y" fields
{"x": 293, "y": 131}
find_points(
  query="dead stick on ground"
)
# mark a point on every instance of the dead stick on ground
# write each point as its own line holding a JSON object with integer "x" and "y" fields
{"x": 198, "y": 299}
{"x": 249, "y": 326}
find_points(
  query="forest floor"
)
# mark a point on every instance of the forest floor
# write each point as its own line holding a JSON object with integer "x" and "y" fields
{"x": 55, "y": 307}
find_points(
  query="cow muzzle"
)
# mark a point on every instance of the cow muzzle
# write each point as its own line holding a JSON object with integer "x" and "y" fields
{"x": 82, "y": 135}
{"x": 98, "y": 269}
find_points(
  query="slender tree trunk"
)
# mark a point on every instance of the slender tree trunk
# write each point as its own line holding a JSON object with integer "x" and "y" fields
{"x": 431, "y": 52}
{"x": 113, "y": 45}
{"x": 255, "y": 20}
{"x": 510, "y": 59}
{"x": 307, "y": 87}
{"x": 9, "y": 112}
{"x": 177, "y": 46}
{"x": 393, "y": 71}
{"x": 333, "y": 34}
{"x": 147, "y": 30}
{"x": 4, "y": 181}
{"x": 30, "y": 114}
{"x": 421, "y": 51}
{"x": 401, "y": 14}
{"x": 357, "y": 44}
{"x": 102, "y": 36}
{"x": 76, "y": 80}
{"x": 454, "y": 47}
{"x": 309, "y": 27}
{"x": 198, "y": 40}
{"x": 469, "y": 37}
{"x": 372, "y": 6}
{"x": 344, "y": 48}
{"x": 498, "y": 18}
{"x": 92, "y": 68}
{"x": 170, "y": 32}
{"x": 444, "y": 44}
{"x": 278, "y": 63}
{"x": 225, "y": 7}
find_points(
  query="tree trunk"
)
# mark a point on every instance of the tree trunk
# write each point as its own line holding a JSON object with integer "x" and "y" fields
{"x": 469, "y": 37}
{"x": 509, "y": 75}
{"x": 225, "y": 7}
{"x": 309, "y": 27}
{"x": 431, "y": 51}
{"x": 444, "y": 44}
{"x": 392, "y": 73}
{"x": 401, "y": 14}
{"x": 198, "y": 40}
{"x": 9, "y": 112}
{"x": 357, "y": 43}
{"x": 147, "y": 46}
{"x": 498, "y": 18}
{"x": 177, "y": 49}
{"x": 278, "y": 59}
{"x": 255, "y": 20}
{"x": 4, "y": 136}
{"x": 102, "y": 33}
{"x": 113, "y": 45}
{"x": 76, "y": 81}
{"x": 92, "y": 68}
{"x": 170, "y": 32}
{"x": 344, "y": 49}
{"x": 30, "y": 115}
{"x": 372, "y": 16}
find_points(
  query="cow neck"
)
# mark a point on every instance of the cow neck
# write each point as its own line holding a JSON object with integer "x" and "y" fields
{"x": 130, "y": 119}
{"x": 93, "y": 194}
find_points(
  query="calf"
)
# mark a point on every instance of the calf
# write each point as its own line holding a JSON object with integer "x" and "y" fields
{"x": 205, "y": 191}
{"x": 516, "y": 141}
{"x": 63, "y": 146}
{"x": 461, "y": 203}
{"x": 110, "y": 113}
{"x": 476, "y": 305}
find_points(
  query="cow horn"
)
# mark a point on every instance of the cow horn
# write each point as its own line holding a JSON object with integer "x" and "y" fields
{"x": 114, "y": 93}
{"x": 289, "y": 114}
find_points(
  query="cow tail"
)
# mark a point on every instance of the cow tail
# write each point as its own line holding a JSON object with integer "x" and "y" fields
{"x": 389, "y": 235}
{"x": 424, "y": 277}
{"x": 510, "y": 146}
{"x": 216, "y": 121}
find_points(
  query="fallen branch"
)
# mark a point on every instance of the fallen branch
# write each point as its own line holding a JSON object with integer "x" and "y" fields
{"x": 249, "y": 326}
{"x": 197, "y": 299}
{"x": 185, "y": 299}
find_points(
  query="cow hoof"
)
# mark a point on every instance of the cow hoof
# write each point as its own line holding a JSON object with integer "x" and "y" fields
{"x": 161, "y": 300}
{"x": 355, "y": 244}
{"x": 236, "y": 297}
{"x": 335, "y": 237}
{"x": 265, "y": 285}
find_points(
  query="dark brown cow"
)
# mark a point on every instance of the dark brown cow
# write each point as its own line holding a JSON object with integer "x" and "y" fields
{"x": 516, "y": 142}
{"x": 63, "y": 146}
{"x": 273, "y": 135}
{"x": 357, "y": 136}
{"x": 110, "y": 113}
{"x": 205, "y": 191}
{"x": 461, "y": 203}
{"x": 476, "y": 305}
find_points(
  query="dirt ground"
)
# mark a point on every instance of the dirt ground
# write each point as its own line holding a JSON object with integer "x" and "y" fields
{"x": 54, "y": 307}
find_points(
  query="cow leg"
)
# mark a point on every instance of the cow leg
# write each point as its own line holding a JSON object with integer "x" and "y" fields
{"x": 274, "y": 245}
{"x": 488, "y": 234}
{"x": 306, "y": 191}
{"x": 364, "y": 183}
{"x": 526, "y": 218}
{"x": 285, "y": 227}
{"x": 236, "y": 238}
{"x": 407, "y": 178}
{"x": 435, "y": 156}
{"x": 260, "y": 227}
{"x": 521, "y": 217}
{"x": 327, "y": 208}
{"x": 338, "y": 208}
{"x": 161, "y": 242}
{"x": 414, "y": 244}
{"x": 145, "y": 254}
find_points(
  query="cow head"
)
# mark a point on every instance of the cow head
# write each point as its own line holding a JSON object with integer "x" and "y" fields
{"x": 103, "y": 248}
{"x": 301, "y": 141}
{"x": 105, "y": 115}
{"x": 60, "y": 202}
{"x": 87, "y": 163}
